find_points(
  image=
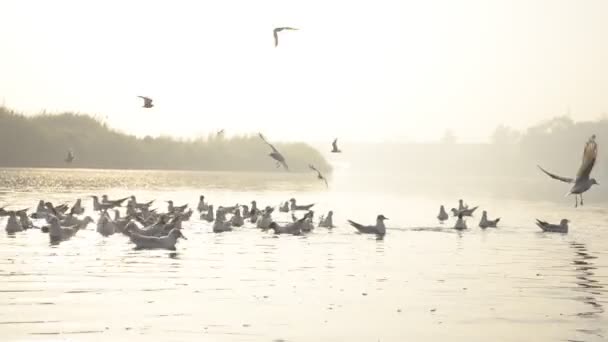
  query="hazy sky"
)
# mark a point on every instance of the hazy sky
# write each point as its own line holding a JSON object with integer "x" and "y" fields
{"x": 362, "y": 70}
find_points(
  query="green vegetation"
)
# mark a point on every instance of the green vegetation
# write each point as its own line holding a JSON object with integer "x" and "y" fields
{"x": 43, "y": 141}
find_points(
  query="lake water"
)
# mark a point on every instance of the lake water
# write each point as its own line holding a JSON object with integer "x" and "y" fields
{"x": 423, "y": 282}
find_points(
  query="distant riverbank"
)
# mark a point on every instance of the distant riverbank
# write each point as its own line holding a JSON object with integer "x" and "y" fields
{"x": 43, "y": 141}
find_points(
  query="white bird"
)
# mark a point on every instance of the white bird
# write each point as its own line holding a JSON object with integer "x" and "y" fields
{"x": 294, "y": 206}
{"x": 153, "y": 242}
{"x": 443, "y": 215}
{"x": 562, "y": 227}
{"x": 319, "y": 175}
{"x": 485, "y": 223}
{"x": 582, "y": 182}
{"x": 334, "y": 147}
{"x": 464, "y": 212}
{"x": 13, "y": 225}
{"x": 279, "y": 29}
{"x": 147, "y": 102}
{"x": 460, "y": 223}
{"x": 327, "y": 221}
{"x": 202, "y": 206}
{"x": 237, "y": 220}
{"x": 379, "y": 229}
{"x": 275, "y": 154}
{"x": 105, "y": 226}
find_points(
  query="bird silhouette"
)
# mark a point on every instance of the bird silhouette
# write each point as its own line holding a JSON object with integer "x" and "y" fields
{"x": 276, "y": 31}
{"x": 147, "y": 102}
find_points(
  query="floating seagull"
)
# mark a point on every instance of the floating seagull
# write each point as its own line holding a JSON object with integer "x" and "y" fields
{"x": 562, "y": 227}
{"x": 294, "y": 206}
{"x": 279, "y": 29}
{"x": 294, "y": 228}
{"x": 276, "y": 155}
{"x": 70, "y": 157}
{"x": 58, "y": 233}
{"x": 284, "y": 208}
{"x": 105, "y": 226}
{"x": 208, "y": 216}
{"x": 147, "y": 102}
{"x": 464, "y": 212}
{"x": 152, "y": 242}
{"x": 319, "y": 175}
{"x": 237, "y": 220}
{"x": 443, "y": 215}
{"x": 334, "y": 147}
{"x": 221, "y": 225}
{"x": 26, "y": 223}
{"x": 485, "y": 223}
{"x": 12, "y": 225}
{"x": 582, "y": 182}
{"x": 202, "y": 206}
{"x": 327, "y": 222}
{"x": 173, "y": 209}
{"x": 77, "y": 208}
{"x": 460, "y": 223}
{"x": 379, "y": 229}
{"x": 265, "y": 220}
{"x": 462, "y": 206}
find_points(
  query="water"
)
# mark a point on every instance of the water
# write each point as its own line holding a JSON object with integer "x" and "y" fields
{"x": 422, "y": 283}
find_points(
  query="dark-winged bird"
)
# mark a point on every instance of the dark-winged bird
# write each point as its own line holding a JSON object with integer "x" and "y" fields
{"x": 319, "y": 175}
{"x": 276, "y": 31}
{"x": 582, "y": 182}
{"x": 70, "y": 157}
{"x": 334, "y": 147}
{"x": 275, "y": 154}
{"x": 147, "y": 102}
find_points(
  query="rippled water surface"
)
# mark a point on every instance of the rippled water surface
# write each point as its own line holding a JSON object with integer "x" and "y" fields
{"x": 424, "y": 282}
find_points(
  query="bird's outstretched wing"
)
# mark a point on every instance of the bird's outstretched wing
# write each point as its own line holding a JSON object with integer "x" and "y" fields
{"x": 267, "y": 143}
{"x": 276, "y": 38}
{"x": 589, "y": 157}
{"x": 146, "y": 99}
{"x": 560, "y": 178}
{"x": 312, "y": 167}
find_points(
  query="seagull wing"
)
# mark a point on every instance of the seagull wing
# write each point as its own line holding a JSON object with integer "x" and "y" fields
{"x": 563, "y": 179}
{"x": 589, "y": 157}
{"x": 335, "y": 144}
{"x": 276, "y": 37}
{"x": 269, "y": 144}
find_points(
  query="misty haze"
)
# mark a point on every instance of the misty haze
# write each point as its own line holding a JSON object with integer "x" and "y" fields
{"x": 303, "y": 170}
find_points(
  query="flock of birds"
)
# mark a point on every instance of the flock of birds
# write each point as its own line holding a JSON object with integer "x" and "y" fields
{"x": 149, "y": 228}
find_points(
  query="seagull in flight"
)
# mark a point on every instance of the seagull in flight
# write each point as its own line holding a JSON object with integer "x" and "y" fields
{"x": 279, "y": 29}
{"x": 334, "y": 147}
{"x": 276, "y": 155}
{"x": 319, "y": 175}
{"x": 70, "y": 157}
{"x": 582, "y": 182}
{"x": 147, "y": 102}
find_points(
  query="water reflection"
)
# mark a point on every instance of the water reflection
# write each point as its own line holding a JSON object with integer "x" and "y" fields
{"x": 590, "y": 287}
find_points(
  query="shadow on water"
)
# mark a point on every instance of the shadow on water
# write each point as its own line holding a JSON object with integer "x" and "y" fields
{"x": 588, "y": 286}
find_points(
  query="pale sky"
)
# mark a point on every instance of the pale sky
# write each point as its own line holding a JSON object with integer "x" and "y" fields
{"x": 368, "y": 70}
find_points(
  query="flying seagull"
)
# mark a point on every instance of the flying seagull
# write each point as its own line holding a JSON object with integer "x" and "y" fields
{"x": 582, "y": 182}
{"x": 279, "y": 29}
{"x": 319, "y": 175}
{"x": 147, "y": 102}
{"x": 276, "y": 155}
{"x": 70, "y": 157}
{"x": 334, "y": 146}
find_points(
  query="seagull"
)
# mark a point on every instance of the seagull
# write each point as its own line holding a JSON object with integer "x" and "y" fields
{"x": 319, "y": 175}
{"x": 460, "y": 223}
{"x": 464, "y": 212}
{"x": 147, "y": 102}
{"x": 202, "y": 206}
{"x": 237, "y": 220}
{"x": 443, "y": 215}
{"x": 334, "y": 147}
{"x": 284, "y": 208}
{"x": 276, "y": 155}
{"x": 58, "y": 233}
{"x": 462, "y": 206}
{"x": 379, "y": 229}
{"x": 582, "y": 182}
{"x": 70, "y": 157}
{"x": 152, "y": 242}
{"x": 327, "y": 222}
{"x": 279, "y": 29}
{"x": 12, "y": 225}
{"x": 221, "y": 225}
{"x": 176, "y": 210}
{"x": 77, "y": 208}
{"x": 294, "y": 206}
{"x": 294, "y": 228}
{"x": 562, "y": 227}
{"x": 485, "y": 223}
{"x": 208, "y": 216}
